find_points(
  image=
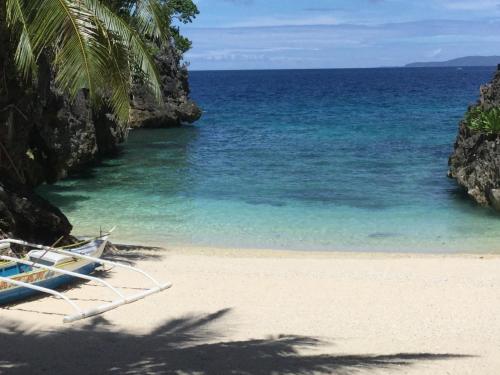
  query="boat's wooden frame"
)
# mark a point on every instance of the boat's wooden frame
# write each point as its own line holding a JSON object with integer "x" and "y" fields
{"x": 87, "y": 261}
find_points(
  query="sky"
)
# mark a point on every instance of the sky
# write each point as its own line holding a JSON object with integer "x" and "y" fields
{"x": 290, "y": 34}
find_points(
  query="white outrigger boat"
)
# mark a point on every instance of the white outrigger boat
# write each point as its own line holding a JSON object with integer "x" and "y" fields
{"x": 46, "y": 268}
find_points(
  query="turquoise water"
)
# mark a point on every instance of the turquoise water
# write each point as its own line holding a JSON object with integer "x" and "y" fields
{"x": 314, "y": 160}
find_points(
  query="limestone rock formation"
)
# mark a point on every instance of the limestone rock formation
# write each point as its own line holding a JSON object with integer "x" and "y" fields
{"x": 475, "y": 161}
{"x": 176, "y": 107}
{"x": 23, "y": 214}
{"x": 44, "y": 136}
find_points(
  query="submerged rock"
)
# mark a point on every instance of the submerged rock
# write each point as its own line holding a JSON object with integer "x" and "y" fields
{"x": 475, "y": 161}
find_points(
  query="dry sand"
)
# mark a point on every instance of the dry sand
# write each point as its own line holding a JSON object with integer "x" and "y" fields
{"x": 272, "y": 312}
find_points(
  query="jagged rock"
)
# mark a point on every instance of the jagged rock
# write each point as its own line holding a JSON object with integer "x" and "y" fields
{"x": 67, "y": 135}
{"x": 109, "y": 134}
{"x": 495, "y": 198}
{"x": 176, "y": 107}
{"x": 44, "y": 135}
{"x": 23, "y": 214}
{"x": 490, "y": 93}
{"x": 475, "y": 161}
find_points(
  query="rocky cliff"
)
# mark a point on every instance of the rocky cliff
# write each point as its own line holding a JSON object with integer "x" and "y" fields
{"x": 176, "y": 107}
{"x": 25, "y": 215}
{"x": 44, "y": 136}
{"x": 475, "y": 161}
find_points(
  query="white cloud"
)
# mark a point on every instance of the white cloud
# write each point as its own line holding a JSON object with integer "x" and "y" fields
{"x": 286, "y": 21}
{"x": 471, "y": 5}
{"x": 435, "y": 53}
{"x": 341, "y": 45}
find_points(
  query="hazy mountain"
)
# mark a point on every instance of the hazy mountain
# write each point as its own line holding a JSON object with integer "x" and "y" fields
{"x": 461, "y": 61}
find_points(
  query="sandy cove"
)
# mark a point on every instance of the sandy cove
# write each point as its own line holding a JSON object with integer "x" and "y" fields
{"x": 271, "y": 312}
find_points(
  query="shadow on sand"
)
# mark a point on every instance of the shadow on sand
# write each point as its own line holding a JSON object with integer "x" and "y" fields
{"x": 131, "y": 254}
{"x": 187, "y": 345}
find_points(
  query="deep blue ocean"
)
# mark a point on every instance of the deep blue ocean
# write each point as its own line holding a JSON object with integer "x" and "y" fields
{"x": 308, "y": 159}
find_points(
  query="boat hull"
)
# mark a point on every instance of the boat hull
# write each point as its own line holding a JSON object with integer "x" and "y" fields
{"x": 51, "y": 279}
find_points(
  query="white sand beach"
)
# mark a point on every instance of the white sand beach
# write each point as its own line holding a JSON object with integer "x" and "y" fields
{"x": 272, "y": 312}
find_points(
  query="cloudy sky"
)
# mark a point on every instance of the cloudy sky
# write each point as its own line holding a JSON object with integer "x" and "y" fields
{"x": 272, "y": 34}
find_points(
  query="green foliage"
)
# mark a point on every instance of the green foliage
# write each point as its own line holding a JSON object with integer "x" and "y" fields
{"x": 93, "y": 44}
{"x": 182, "y": 43}
{"x": 18, "y": 23}
{"x": 121, "y": 7}
{"x": 485, "y": 121}
{"x": 165, "y": 12}
{"x": 183, "y": 10}
{"x": 97, "y": 45}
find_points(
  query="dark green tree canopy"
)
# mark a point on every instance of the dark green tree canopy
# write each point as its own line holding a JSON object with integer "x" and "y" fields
{"x": 183, "y": 10}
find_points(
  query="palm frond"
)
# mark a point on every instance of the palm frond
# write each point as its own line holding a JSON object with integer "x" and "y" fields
{"x": 152, "y": 20}
{"x": 139, "y": 53}
{"x": 17, "y": 21}
{"x": 118, "y": 75}
{"x": 80, "y": 56}
{"x": 92, "y": 47}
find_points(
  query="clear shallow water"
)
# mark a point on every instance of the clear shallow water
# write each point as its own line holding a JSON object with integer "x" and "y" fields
{"x": 317, "y": 160}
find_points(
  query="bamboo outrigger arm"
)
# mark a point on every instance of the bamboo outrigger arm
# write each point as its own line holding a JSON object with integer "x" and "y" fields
{"x": 87, "y": 257}
{"x": 64, "y": 272}
{"x": 81, "y": 314}
{"x": 43, "y": 290}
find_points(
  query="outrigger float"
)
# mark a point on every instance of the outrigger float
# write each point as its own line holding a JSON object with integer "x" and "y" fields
{"x": 46, "y": 268}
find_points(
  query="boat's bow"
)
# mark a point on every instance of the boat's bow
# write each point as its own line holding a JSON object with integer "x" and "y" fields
{"x": 74, "y": 263}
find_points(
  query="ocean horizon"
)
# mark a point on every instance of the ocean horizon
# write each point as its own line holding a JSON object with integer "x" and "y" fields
{"x": 316, "y": 159}
{"x": 488, "y": 67}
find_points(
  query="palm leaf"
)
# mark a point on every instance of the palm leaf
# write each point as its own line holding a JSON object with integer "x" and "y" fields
{"x": 152, "y": 20}
{"x": 118, "y": 74}
{"x": 17, "y": 21}
{"x": 138, "y": 51}
{"x": 80, "y": 56}
{"x": 69, "y": 28}
{"x": 92, "y": 47}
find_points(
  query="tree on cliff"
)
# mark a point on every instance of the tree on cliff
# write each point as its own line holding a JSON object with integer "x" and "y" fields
{"x": 183, "y": 11}
{"x": 90, "y": 45}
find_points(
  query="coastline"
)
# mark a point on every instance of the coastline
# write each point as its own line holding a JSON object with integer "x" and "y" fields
{"x": 261, "y": 312}
{"x": 245, "y": 250}
{"x": 253, "y": 252}
{"x": 309, "y": 222}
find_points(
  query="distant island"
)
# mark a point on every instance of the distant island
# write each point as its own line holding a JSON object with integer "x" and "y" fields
{"x": 459, "y": 62}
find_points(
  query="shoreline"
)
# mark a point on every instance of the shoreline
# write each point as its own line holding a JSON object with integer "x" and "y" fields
{"x": 242, "y": 252}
